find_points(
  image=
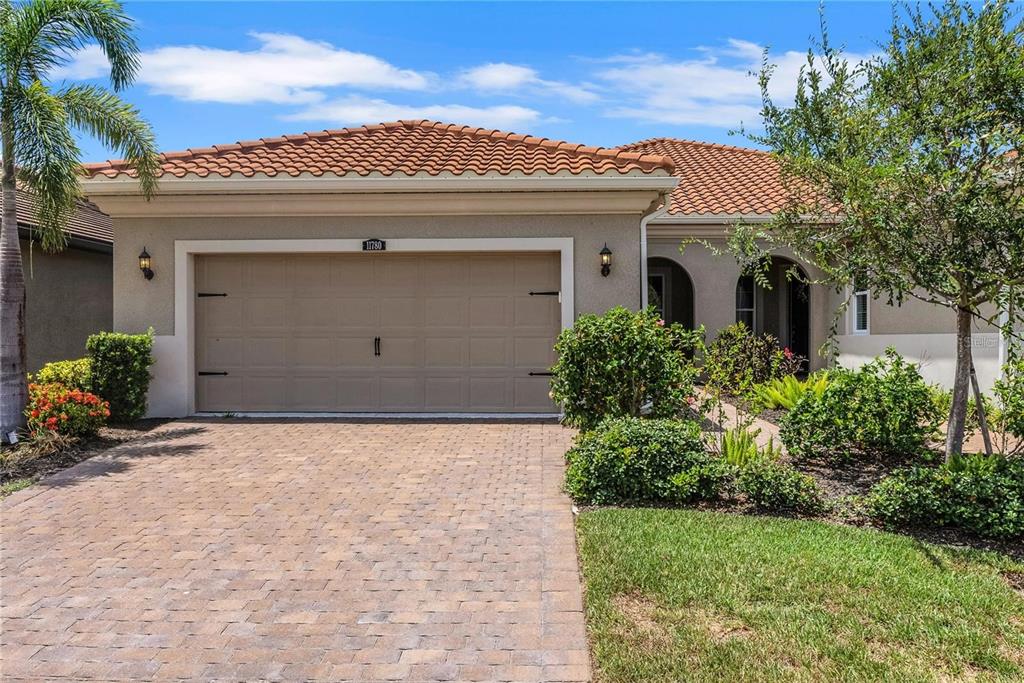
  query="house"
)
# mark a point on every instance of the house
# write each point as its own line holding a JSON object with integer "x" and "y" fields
{"x": 422, "y": 267}
{"x": 720, "y": 185}
{"x": 403, "y": 267}
{"x": 69, "y": 294}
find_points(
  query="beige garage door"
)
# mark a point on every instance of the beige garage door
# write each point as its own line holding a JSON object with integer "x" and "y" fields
{"x": 373, "y": 332}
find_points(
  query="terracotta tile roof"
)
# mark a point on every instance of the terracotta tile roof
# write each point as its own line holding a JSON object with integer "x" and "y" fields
{"x": 401, "y": 147}
{"x": 718, "y": 179}
{"x": 88, "y": 222}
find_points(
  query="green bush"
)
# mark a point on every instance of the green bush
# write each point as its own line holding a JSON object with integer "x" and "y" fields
{"x": 1009, "y": 392}
{"x": 775, "y": 487}
{"x": 738, "y": 447}
{"x": 120, "y": 371}
{"x": 74, "y": 374}
{"x": 630, "y": 459}
{"x": 983, "y": 495}
{"x": 737, "y": 360}
{"x": 613, "y": 365}
{"x": 884, "y": 408}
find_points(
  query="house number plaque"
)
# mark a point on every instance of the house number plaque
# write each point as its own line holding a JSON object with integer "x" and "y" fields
{"x": 375, "y": 245}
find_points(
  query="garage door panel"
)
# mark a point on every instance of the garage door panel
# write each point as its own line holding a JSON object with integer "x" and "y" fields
{"x": 489, "y": 393}
{"x": 533, "y": 352}
{"x": 444, "y": 394}
{"x": 488, "y": 352}
{"x": 399, "y": 311}
{"x": 314, "y": 313}
{"x": 361, "y": 311}
{"x": 490, "y": 311}
{"x": 267, "y": 352}
{"x": 400, "y": 393}
{"x": 356, "y": 352}
{"x": 444, "y": 352}
{"x": 458, "y": 332}
{"x": 266, "y": 312}
{"x": 314, "y": 352}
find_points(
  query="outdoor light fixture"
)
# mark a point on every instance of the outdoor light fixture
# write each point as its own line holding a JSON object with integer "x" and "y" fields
{"x": 145, "y": 263}
{"x": 606, "y": 260}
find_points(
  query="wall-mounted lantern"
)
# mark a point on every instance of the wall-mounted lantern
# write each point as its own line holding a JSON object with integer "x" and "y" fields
{"x": 145, "y": 264}
{"x": 606, "y": 260}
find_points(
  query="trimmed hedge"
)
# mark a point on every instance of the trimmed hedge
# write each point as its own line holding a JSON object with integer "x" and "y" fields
{"x": 74, "y": 374}
{"x": 630, "y": 459}
{"x": 120, "y": 371}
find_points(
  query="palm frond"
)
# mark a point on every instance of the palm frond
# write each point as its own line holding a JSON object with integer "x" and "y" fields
{"x": 43, "y": 34}
{"x": 47, "y": 158}
{"x": 117, "y": 125}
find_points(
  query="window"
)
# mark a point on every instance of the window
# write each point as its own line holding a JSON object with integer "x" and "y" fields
{"x": 745, "y": 301}
{"x": 861, "y": 312}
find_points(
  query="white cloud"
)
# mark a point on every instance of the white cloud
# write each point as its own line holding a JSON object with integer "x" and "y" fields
{"x": 717, "y": 88}
{"x": 284, "y": 69}
{"x": 358, "y": 110}
{"x": 500, "y": 77}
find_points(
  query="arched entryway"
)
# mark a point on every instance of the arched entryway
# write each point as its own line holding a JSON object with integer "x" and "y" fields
{"x": 783, "y": 310}
{"x": 670, "y": 291}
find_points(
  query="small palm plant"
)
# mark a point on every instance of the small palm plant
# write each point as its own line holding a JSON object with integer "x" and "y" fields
{"x": 39, "y": 153}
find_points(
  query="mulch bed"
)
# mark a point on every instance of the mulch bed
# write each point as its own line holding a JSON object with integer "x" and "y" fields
{"x": 76, "y": 450}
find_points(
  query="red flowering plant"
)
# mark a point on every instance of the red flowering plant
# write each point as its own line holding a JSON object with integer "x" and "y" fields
{"x": 72, "y": 412}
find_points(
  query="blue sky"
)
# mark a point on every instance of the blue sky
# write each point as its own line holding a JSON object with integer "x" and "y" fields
{"x": 598, "y": 73}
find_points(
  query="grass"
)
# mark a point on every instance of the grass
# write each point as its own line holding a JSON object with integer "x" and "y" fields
{"x": 683, "y": 595}
{"x": 9, "y": 487}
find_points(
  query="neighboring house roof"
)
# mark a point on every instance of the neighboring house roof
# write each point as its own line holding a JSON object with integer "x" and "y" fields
{"x": 718, "y": 180}
{"x": 86, "y": 223}
{"x": 407, "y": 148}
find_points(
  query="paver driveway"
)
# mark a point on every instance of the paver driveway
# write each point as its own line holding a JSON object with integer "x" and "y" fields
{"x": 250, "y": 550}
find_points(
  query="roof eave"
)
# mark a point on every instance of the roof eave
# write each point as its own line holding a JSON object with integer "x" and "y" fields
{"x": 310, "y": 184}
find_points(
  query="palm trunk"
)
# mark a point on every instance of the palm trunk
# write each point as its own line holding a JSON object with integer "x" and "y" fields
{"x": 13, "y": 389}
{"x": 961, "y": 385}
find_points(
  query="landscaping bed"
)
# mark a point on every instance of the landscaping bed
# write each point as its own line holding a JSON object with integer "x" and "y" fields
{"x": 673, "y": 594}
{"x": 29, "y": 461}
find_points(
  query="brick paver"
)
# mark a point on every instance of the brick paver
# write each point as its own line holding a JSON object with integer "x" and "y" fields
{"x": 297, "y": 550}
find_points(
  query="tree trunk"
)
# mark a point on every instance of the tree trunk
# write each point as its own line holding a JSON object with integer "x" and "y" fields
{"x": 961, "y": 385}
{"x": 13, "y": 361}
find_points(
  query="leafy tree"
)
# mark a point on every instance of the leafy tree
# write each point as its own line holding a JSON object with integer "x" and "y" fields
{"x": 39, "y": 152}
{"x": 903, "y": 171}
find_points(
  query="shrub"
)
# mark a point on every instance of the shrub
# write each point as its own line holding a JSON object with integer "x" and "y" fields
{"x": 784, "y": 393}
{"x": 773, "y": 486}
{"x": 884, "y": 408}
{"x": 120, "y": 371}
{"x": 1009, "y": 417}
{"x": 738, "y": 447}
{"x": 74, "y": 374}
{"x": 943, "y": 400}
{"x": 632, "y": 459}
{"x": 737, "y": 360}
{"x": 70, "y": 412}
{"x": 619, "y": 363}
{"x": 984, "y": 495}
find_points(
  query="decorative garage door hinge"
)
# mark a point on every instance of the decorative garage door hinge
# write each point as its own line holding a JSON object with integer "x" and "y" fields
{"x": 202, "y": 295}
{"x": 544, "y": 293}
{"x": 542, "y": 374}
{"x": 207, "y": 374}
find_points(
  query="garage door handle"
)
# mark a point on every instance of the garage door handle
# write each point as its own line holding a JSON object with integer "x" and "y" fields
{"x": 542, "y": 374}
{"x": 376, "y": 346}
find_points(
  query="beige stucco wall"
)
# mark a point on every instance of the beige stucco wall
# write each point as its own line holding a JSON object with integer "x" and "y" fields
{"x": 714, "y": 283}
{"x": 69, "y": 297}
{"x": 139, "y": 304}
{"x": 913, "y": 316}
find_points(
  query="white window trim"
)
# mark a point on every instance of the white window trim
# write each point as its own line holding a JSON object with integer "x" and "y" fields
{"x": 854, "y": 330}
{"x": 175, "y": 389}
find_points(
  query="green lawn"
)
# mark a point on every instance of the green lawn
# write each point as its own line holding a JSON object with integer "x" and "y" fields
{"x": 703, "y": 596}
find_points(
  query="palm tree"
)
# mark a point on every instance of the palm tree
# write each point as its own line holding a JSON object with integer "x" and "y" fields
{"x": 39, "y": 150}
